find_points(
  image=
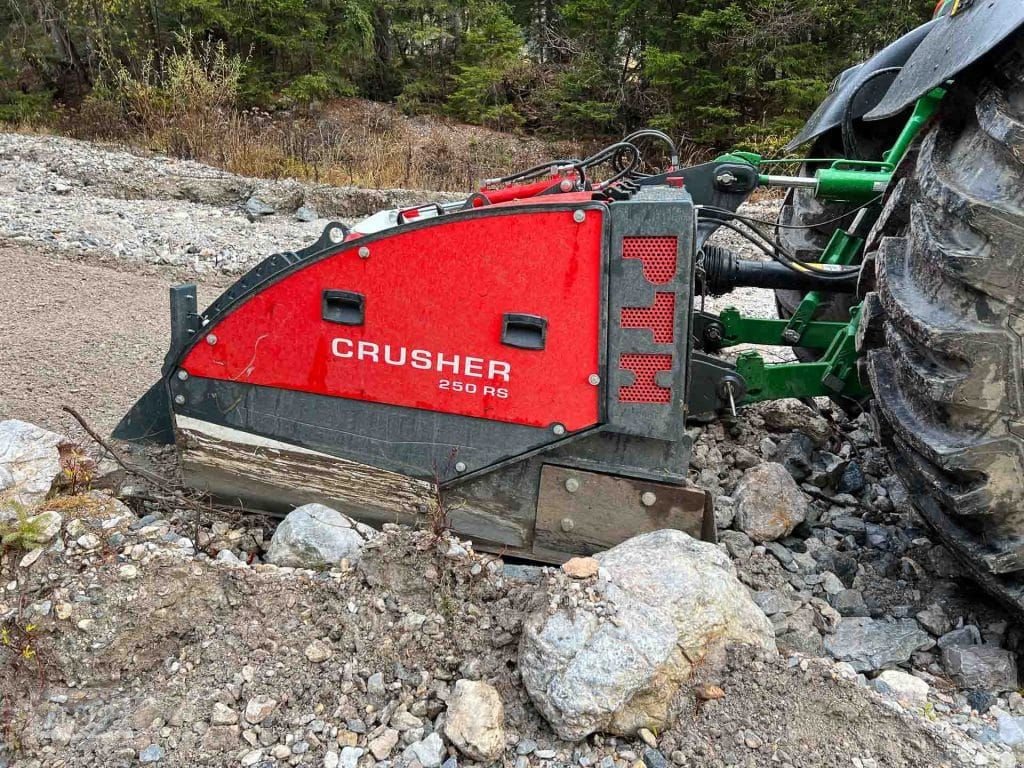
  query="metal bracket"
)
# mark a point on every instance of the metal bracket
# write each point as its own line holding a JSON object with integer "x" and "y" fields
{"x": 835, "y": 373}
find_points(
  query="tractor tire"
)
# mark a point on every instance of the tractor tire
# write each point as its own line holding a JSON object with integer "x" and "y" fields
{"x": 947, "y": 370}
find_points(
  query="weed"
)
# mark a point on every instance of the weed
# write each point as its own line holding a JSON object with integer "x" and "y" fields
{"x": 24, "y": 532}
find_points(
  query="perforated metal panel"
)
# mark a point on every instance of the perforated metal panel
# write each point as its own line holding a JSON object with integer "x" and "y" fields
{"x": 650, "y": 298}
{"x": 645, "y": 387}
{"x": 657, "y": 254}
{"x": 658, "y": 319}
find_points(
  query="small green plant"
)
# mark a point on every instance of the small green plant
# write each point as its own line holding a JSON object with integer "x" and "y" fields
{"x": 24, "y": 531}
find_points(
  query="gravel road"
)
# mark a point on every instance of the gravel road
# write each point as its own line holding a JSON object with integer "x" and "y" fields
{"x": 81, "y": 334}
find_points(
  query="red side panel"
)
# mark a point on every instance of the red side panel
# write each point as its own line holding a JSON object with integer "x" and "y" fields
{"x": 434, "y": 301}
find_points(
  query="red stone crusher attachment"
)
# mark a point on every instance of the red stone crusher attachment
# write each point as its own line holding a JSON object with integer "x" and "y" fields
{"x": 521, "y": 359}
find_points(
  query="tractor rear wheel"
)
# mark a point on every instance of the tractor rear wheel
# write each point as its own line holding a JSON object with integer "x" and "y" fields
{"x": 947, "y": 370}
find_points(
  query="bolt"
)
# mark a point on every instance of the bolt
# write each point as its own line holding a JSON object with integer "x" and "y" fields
{"x": 558, "y": 429}
{"x": 460, "y": 466}
{"x": 725, "y": 178}
{"x": 364, "y": 252}
{"x": 567, "y": 524}
{"x": 336, "y": 234}
{"x": 565, "y": 185}
{"x": 572, "y": 485}
{"x": 713, "y": 333}
{"x": 647, "y": 499}
{"x": 179, "y": 399}
{"x": 593, "y": 379}
{"x": 579, "y": 216}
{"x": 211, "y": 338}
{"x": 183, "y": 375}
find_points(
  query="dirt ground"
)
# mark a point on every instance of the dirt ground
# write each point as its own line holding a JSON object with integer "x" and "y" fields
{"x": 81, "y": 334}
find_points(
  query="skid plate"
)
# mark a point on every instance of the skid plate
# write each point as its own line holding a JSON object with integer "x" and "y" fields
{"x": 587, "y": 512}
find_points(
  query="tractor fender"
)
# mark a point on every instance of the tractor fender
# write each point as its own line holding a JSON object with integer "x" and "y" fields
{"x": 851, "y": 84}
{"x": 953, "y": 42}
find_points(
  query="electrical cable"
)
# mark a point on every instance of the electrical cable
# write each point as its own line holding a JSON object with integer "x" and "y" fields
{"x": 777, "y": 225}
{"x": 784, "y": 258}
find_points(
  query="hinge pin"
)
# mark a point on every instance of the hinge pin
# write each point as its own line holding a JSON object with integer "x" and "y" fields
{"x": 732, "y": 402}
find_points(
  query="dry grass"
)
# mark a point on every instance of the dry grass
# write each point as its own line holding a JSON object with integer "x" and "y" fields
{"x": 353, "y": 142}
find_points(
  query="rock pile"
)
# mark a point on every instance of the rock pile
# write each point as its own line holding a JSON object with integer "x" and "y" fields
{"x": 158, "y": 210}
{"x": 166, "y": 641}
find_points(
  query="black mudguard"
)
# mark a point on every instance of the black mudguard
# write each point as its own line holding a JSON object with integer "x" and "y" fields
{"x": 953, "y": 43}
{"x": 929, "y": 56}
{"x": 829, "y": 113}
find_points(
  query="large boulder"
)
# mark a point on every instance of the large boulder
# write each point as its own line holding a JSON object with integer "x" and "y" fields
{"x": 769, "y": 504}
{"x": 29, "y": 465}
{"x": 475, "y": 722}
{"x": 316, "y": 536}
{"x": 664, "y": 603}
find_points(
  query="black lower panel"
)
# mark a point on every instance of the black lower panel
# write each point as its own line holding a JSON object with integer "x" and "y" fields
{"x": 423, "y": 444}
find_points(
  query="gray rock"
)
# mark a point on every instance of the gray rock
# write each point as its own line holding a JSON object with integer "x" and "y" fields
{"x": 849, "y": 602}
{"x": 868, "y": 644}
{"x": 526, "y": 746}
{"x": 738, "y": 544}
{"x": 899, "y": 685}
{"x": 29, "y": 465}
{"x": 475, "y": 722}
{"x": 772, "y": 601}
{"x": 527, "y": 573}
{"x": 934, "y": 619}
{"x": 1011, "y": 729}
{"x": 724, "y": 512}
{"x": 654, "y": 759}
{"x": 852, "y": 480}
{"x": 794, "y": 453}
{"x": 794, "y": 416}
{"x": 375, "y": 685}
{"x": 744, "y": 459}
{"x": 849, "y": 524}
{"x": 769, "y": 504}
{"x": 429, "y": 752}
{"x": 586, "y": 674}
{"x": 805, "y": 640}
{"x": 307, "y": 214}
{"x": 349, "y": 757}
{"x": 316, "y": 536}
{"x": 154, "y": 753}
{"x": 965, "y": 635}
{"x": 831, "y": 583}
{"x": 255, "y": 208}
{"x": 981, "y": 666}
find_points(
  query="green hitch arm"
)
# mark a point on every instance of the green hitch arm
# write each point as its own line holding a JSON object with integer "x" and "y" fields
{"x": 835, "y": 373}
{"x": 924, "y": 111}
{"x": 860, "y": 181}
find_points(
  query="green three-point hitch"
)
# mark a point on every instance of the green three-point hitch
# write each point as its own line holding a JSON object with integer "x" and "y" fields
{"x": 861, "y": 185}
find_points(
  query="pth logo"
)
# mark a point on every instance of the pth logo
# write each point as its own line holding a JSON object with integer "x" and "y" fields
{"x": 421, "y": 359}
